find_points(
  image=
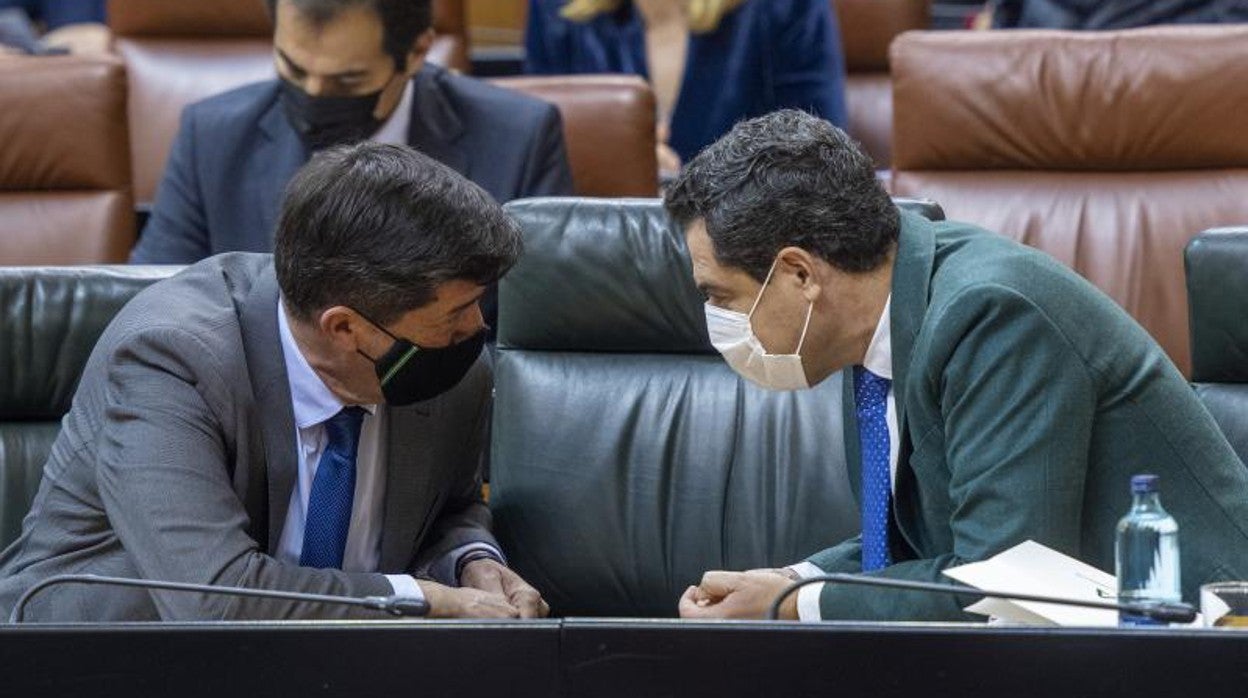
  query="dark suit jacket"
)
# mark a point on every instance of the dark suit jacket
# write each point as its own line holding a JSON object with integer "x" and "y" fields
{"x": 178, "y": 458}
{"x": 1121, "y": 14}
{"x": 766, "y": 55}
{"x": 1026, "y": 400}
{"x": 222, "y": 187}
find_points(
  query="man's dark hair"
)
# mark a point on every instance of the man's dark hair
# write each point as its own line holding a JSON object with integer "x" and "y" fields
{"x": 402, "y": 21}
{"x": 379, "y": 227}
{"x": 787, "y": 179}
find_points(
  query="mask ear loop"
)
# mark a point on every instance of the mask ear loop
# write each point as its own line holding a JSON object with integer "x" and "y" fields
{"x": 801, "y": 341}
{"x": 758, "y": 299}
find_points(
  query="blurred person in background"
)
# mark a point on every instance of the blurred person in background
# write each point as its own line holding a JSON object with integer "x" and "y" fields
{"x": 73, "y": 26}
{"x": 1118, "y": 14}
{"x": 711, "y": 63}
{"x": 348, "y": 71}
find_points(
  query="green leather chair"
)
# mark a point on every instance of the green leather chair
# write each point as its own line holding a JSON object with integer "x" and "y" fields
{"x": 1217, "y": 294}
{"x": 627, "y": 457}
{"x": 50, "y": 319}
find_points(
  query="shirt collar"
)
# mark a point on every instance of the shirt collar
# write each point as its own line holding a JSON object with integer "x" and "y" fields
{"x": 879, "y": 358}
{"x": 312, "y": 401}
{"x": 395, "y": 129}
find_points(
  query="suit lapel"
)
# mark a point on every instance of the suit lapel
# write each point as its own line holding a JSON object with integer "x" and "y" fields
{"x": 409, "y": 484}
{"x": 436, "y": 127}
{"x": 263, "y": 348}
{"x": 281, "y": 154}
{"x": 912, "y": 275}
{"x": 853, "y": 446}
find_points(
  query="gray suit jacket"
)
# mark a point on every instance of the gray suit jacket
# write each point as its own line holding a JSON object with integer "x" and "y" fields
{"x": 177, "y": 461}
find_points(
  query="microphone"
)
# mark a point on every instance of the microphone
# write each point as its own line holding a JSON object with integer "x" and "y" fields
{"x": 1162, "y": 612}
{"x": 392, "y": 605}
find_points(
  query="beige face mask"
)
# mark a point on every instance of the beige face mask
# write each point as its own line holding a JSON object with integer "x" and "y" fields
{"x": 732, "y": 334}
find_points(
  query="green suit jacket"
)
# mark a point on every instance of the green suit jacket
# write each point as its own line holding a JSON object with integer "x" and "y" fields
{"x": 1026, "y": 399}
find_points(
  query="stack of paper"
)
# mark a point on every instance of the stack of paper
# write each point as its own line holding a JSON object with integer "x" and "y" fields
{"x": 1031, "y": 568}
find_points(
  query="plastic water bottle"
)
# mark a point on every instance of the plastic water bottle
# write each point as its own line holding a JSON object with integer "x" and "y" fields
{"x": 1147, "y": 553}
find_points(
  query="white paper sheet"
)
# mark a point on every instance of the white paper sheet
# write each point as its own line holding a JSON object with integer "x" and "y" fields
{"x": 1031, "y": 568}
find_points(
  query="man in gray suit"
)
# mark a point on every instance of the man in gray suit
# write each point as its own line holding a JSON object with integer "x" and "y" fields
{"x": 309, "y": 421}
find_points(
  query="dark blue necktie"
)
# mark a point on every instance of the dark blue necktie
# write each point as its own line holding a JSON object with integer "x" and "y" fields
{"x": 871, "y": 405}
{"x": 333, "y": 492}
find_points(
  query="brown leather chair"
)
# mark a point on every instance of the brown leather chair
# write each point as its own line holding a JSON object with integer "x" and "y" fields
{"x": 181, "y": 51}
{"x": 65, "y": 189}
{"x": 1107, "y": 150}
{"x": 608, "y": 124}
{"x": 867, "y": 29}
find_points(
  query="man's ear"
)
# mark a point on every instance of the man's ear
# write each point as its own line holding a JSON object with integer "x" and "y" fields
{"x": 804, "y": 270}
{"x": 420, "y": 51}
{"x": 343, "y": 327}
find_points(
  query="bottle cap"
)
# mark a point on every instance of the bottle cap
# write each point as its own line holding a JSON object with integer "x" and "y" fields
{"x": 1144, "y": 484}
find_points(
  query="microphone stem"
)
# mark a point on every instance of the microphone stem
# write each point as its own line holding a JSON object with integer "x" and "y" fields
{"x": 1180, "y": 611}
{"x": 20, "y": 607}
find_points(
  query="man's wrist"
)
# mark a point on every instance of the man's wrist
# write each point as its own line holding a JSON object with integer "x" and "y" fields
{"x": 470, "y": 557}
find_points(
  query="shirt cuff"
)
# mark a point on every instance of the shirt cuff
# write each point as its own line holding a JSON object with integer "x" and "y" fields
{"x": 405, "y": 586}
{"x": 808, "y": 609}
{"x": 444, "y": 568}
{"x": 806, "y": 569}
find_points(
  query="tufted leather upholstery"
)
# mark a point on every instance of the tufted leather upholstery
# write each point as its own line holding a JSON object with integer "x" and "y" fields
{"x": 1106, "y": 150}
{"x": 868, "y": 28}
{"x": 674, "y": 464}
{"x": 180, "y": 52}
{"x": 65, "y": 195}
{"x": 1217, "y": 292}
{"x": 608, "y": 125}
{"x": 50, "y": 319}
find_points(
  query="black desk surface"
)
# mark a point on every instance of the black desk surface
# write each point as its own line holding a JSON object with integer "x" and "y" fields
{"x": 587, "y": 657}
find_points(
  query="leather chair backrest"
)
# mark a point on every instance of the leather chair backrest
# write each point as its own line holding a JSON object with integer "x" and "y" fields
{"x": 1217, "y": 293}
{"x": 50, "y": 319}
{"x": 65, "y": 187}
{"x": 1106, "y": 150}
{"x": 868, "y": 28}
{"x": 627, "y": 457}
{"x": 609, "y": 128}
{"x": 179, "y": 52}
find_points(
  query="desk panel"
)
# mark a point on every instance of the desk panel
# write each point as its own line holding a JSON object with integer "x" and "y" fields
{"x": 432, "y": 658}
{"x": 654, "y": 659}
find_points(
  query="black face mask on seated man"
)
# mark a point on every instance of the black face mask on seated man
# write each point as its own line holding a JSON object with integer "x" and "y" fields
{"x": 409, "y": 373}
{"x": 323, "y": 122}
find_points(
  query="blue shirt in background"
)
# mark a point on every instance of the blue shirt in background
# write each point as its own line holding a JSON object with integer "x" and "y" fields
{"x": 765, "y": 55}
{"x": 58, "y": 13}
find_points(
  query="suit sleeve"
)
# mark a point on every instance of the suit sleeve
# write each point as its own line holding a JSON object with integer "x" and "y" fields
{"x": 177, "y": 232}
{"x": 1017, "y": 404}
{"x": 464, "y": 520}
{"x": 810, "y": 68}
{"x": 547, "y": 170}
{"x": 165, "y": 468}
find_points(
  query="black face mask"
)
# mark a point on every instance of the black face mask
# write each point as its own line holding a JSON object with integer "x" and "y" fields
{"x": 410, "y": 374}
{"x": 323, "y": 122}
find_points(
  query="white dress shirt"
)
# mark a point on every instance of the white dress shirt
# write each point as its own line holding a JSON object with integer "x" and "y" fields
{"x": 879, "y": 360}
{"x": 314, "y": 403}
{"x": 395, "y": 129}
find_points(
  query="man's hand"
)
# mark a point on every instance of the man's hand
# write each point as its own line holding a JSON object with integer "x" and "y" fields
{"x": 84, "y": 39}
{"x": 739, "y": 595}
{"x": 448, "y": 602}
{"x": 494, "y": 577}
{"x": 669, "y": 159}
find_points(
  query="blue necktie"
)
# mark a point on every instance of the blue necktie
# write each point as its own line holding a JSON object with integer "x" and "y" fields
{"x": 333, "y": 492}
{"x": 871, "y": 405}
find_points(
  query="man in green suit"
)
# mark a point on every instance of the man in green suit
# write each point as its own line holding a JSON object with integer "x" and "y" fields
{"x": 996, "y": 395}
